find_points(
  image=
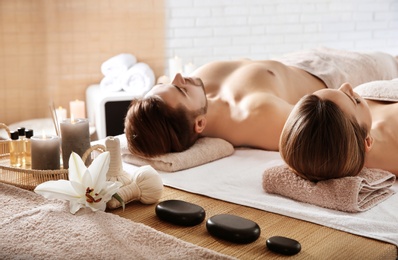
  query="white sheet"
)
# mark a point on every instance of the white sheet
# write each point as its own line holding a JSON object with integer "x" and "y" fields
{"x": 238, "y": 179}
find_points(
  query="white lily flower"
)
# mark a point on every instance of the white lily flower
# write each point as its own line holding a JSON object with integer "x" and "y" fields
{"x": 86, "y": 187}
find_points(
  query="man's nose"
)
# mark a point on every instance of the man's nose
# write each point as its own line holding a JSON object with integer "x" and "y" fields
{"x": 346, "y": 86}
{"x": 178, "y": 78}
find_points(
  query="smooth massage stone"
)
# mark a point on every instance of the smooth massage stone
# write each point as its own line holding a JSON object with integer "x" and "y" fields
{"x": 233, "y": 228}
{"x": 283, "y": 245}
{"x": 180, "y": 212}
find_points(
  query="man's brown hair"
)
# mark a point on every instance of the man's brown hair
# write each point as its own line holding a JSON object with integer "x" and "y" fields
{"x": 154, "y": 128}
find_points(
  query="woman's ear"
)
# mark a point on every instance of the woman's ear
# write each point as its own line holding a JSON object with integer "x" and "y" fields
{"x": 200, "y": 124}
{"x": 368, "y": 143}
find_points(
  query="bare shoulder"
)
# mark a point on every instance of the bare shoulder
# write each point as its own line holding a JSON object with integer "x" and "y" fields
{"x": 264, "y": 117}
{"x": 384, "y": 111}
{"x": 384, "y": 131}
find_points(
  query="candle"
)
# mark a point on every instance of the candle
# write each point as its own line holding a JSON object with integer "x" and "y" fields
{"x": 61, "y": 113}
{"x": 45, "y": 152}
{"x": 189, "y": 68}
{"x": 75, "y": 138}
{"x": 77, "y": 109}
{"x": 175, "y": 66}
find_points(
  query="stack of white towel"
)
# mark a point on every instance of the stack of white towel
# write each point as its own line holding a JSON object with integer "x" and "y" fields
{"x": 123, "y": 72}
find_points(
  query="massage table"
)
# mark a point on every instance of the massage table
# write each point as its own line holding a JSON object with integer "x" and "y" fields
{"x": 214, "y": 194}
{"x": 233, "y": 185}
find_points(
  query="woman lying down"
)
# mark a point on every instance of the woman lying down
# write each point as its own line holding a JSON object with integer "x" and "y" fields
{"x": 334, "y": 133}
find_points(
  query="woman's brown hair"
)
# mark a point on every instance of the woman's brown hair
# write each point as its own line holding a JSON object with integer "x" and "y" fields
{"x": 154, "y": 128}
{"x": 320, "y": 142}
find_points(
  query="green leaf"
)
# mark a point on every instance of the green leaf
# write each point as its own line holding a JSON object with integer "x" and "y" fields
{"x": 118, "y": 198}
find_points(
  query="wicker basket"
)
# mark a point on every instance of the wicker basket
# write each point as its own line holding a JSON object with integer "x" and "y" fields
{"x": 27, "y": 178}
{"x": 4, "y": 146}
{"x": 22, "y": 177}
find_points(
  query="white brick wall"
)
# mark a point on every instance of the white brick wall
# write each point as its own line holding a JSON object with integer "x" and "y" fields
{"x": 200, "y": 31}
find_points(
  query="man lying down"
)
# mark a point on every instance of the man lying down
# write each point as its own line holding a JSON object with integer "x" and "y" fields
{"x": 244, "y": 102}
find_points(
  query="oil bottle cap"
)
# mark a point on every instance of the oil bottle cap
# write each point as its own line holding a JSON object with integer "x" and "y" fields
{"x": 21, "y": 131}
{"x": 14, "y": 135}
{"x": 29, "y": 133}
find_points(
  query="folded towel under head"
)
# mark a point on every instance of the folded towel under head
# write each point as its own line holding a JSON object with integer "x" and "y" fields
{"x": 118, "y": 64}
{"x": 350, "y": 194}
{"x": 205, "y": 150}
{"x": 382, "y": 90}
{"x": 138, "y": 79}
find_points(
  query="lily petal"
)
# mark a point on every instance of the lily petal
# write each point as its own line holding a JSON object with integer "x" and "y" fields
{"x": 60, "y": 189}
{"x": 110, "y": 189}
{"x": 74, "y": 206}
{"x": 98, "y": 170}
{"x": 78, "y": 187}
{"x": 97, "y": 206}
{"x": 76, "y": 168}
{"x": 87, "y": 181}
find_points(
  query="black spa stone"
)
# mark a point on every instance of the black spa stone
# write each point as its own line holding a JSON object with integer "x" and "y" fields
{"x": 233, "y": 228}
{"x": 283, "y": 245}
{"x": 180, "y": 212}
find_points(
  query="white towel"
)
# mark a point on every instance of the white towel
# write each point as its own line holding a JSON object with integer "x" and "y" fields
{"x": 383, "y": 90}
{"x": 238, "y": 179}
{"x": 110, "y": 84}
{"x": 118, "y": 64}
{"x": 139, "y": 79}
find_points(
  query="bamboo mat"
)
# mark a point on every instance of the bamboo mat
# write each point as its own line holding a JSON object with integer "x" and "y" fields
{"x": 318, "y": 242}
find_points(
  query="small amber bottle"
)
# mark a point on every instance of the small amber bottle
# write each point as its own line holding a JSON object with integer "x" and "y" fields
{"x": 21, "y": 133}
{"x": 16, "y": 150}
{"x": 27, "y": 147}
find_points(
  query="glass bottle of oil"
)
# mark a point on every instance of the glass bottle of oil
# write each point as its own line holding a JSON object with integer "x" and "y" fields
{"x": 21, "y": 132}
{"x": 16, "y": 150}
{"x": 27, "y": 148}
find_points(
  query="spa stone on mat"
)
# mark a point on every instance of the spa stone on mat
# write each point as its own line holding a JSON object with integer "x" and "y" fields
{"x": 283, "y": 245}
{"x": 180, "y": 212}
{"x": 233, "y": 228}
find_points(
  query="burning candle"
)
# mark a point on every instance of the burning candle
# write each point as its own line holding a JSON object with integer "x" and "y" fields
{"x": 61, "y": 113}
{"x": 175, "y": 66}
{"x": 77, "y": 109}
{"x": 45, "y": 152}
{"x": 75, "y": 138}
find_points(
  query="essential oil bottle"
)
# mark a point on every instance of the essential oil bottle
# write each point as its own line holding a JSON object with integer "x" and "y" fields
{"x": 16, "y": 150}
{"x": 21, "y": 133}
{"x": 27, "y": 147}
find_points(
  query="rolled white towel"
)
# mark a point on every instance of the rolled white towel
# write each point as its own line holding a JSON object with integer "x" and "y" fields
{"x": 139, "y": 79}
{"x": 110, "y": 84}
{"x": 118, "y": 64}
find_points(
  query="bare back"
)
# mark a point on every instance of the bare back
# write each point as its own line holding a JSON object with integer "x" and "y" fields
{"x": 249, "y": 101}
{"x": 384, "y": 153}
